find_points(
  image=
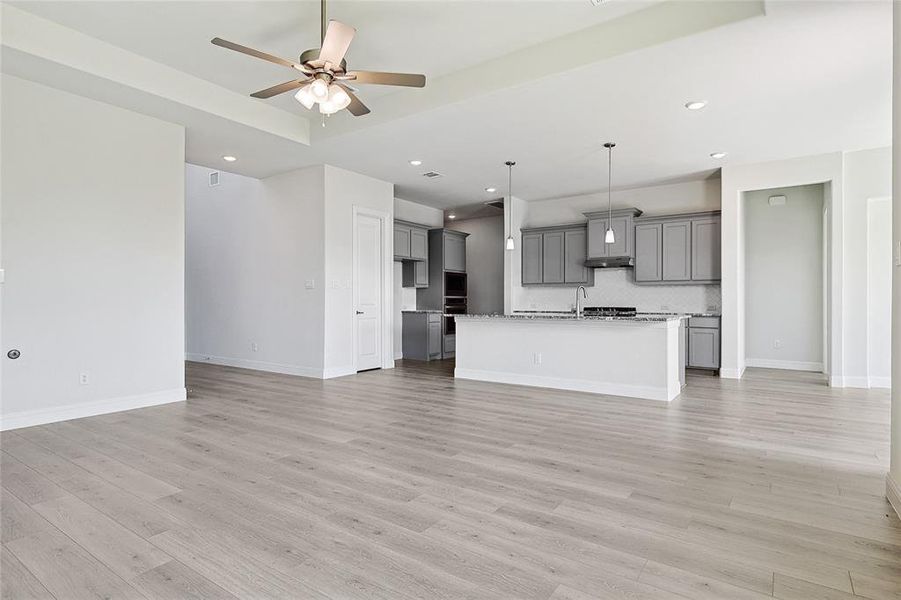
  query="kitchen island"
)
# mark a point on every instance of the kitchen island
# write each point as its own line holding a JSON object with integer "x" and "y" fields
{"x": 639, "y": 357}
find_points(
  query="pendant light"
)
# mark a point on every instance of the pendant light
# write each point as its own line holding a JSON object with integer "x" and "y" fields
{"x": 510, "y": 245}
{"x": 609, "y": 236}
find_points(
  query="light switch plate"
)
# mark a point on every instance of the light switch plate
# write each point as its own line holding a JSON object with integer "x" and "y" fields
{"x": 897, "y": 256}
{"x": 309, "y": 284}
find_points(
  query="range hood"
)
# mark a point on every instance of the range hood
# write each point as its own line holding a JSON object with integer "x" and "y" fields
{"x": 610, "y": 262}
{"x": 611, "y": 256}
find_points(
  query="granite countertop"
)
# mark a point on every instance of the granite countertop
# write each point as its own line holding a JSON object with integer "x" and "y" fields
{"x": 571, "y": 317}
{"x": 422, "y": 310}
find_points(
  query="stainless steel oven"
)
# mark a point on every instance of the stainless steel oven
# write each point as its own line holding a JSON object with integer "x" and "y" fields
{"x": 453, "y": 306}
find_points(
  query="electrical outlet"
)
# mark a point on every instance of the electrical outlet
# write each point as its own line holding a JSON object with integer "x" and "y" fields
{"x": 664, "y": 307}
{"x": 536, "y": 358}
{"x": 254, "y": 347}
{"x": 777, "y": 343}
{"x": 309, "y": 284}
{"x": 84, "y": 379}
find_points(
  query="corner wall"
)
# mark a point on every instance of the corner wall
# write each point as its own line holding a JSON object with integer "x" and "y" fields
{"x": 93, "y": 252}
{"x": 256, "y": 270}
{"x": 893, "y": 481}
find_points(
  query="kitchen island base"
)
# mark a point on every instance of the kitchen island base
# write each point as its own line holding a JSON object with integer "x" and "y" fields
{"x": 637, "y": 357}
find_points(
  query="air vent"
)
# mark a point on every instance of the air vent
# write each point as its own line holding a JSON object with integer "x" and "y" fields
{"x": 432, "y": 174}
{"x": 214, "y": 178}
{"x": 499, "y": 203}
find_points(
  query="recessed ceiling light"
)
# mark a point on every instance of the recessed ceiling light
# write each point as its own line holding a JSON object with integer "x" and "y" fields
{"x": 718, "y": 155}
{"x": 229, "y": 158}
{"x": 415, "y": 163}
{"x": 451, "y": 216}
{"x": 696, "y": 104}
{"x": 490, "y": 190}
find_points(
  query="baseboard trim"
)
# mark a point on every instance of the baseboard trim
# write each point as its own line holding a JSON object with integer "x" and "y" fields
{"x": 893, "y": 493}
{"x": 333, "y": 372}
{"x": 861, "y": 382}
{"x": 256, "y": 365}
{"x": 788, "y": 365}
{"x": 576, "y": 385}
{"x": 30, "y": 418}
{"x": 732, "y": 373}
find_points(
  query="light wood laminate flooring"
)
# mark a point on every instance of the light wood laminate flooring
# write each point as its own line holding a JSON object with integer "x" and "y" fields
{"x": 405, "y": 483}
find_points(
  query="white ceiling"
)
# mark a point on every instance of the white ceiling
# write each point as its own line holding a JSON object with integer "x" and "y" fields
{"x": 807, "y": 78}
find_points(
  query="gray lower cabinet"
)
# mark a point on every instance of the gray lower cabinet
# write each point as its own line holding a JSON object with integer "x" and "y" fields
{"x": 555, "y": 256}
{"x": 677, "y": 251}
{"x": 421, "y": 335}
{"x": 678, "y": 248}
{"x": 704, "y": 342}
{"x": 649, "y": 252}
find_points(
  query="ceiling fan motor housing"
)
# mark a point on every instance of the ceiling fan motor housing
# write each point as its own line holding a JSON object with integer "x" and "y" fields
{"x": 309, "y": 58}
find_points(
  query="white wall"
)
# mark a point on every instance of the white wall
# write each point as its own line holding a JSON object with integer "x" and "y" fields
{"x": 738, "y": 179}
{"x": 484, "y": 263}
{"x": 784, "y": 278}
{"x": 879, "y": 292}
{"x": 691, "y": 196}
{"x": 867, "y": 176}
{"x": 93, "y": 252}
{"x": 252, "y": 246}
{"x": 893, "y": 479}
{"x": 615, "y": 287}
{"x": 344, "y": 190}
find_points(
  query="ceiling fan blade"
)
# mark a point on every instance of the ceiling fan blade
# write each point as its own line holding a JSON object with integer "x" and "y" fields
{"x": 256, "y": 53}
{"x": 356, "y": 108}
{"x": 378, "y": 78}
{"x": 337, "y": 40}
{"x": 281, "y": 88}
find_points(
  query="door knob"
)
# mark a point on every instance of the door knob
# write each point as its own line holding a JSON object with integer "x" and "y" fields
{"x": 359, "y": 312}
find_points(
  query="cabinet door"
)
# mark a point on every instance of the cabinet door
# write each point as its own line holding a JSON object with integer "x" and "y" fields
{"x": 421, "y": 274}
{"x": 704, "y": 348}
{"x": 454, "y": 253}
{"x": 677, "y": 251}
{"x": 531, "y": 258}
{"x": 419, "y": 243}
{"x": 596, "y": 230}
{"x": 401, "y": 241}
{"x": 552, "y": 257}
{"x": 623, "y": 244}
{"x": 574, "y": 254}
{"x": 705, "y": 249}
{"x": 435, "y": 339}
{"x": 648, "y": 252}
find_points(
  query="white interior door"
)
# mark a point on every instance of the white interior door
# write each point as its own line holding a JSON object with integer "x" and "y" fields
{"x": 368, "y": 292}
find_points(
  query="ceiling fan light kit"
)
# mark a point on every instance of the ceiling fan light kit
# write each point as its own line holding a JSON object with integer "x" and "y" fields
{"x": 324, "y": 70}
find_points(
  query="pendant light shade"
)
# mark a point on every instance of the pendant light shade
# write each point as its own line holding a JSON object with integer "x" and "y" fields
{"x": 510, "y": 244}
{"x": 609, "y": 236}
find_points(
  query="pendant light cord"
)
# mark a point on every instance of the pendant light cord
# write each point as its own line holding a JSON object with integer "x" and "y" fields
{"x": 610, "y": 186}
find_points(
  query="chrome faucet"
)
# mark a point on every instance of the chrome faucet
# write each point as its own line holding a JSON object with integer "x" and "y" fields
{"x": 579, "y": 300}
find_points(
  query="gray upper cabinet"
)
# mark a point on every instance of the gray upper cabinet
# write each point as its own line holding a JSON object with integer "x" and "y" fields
{"x": 678, "y": 248}
{"x": 555, "y": 256}
{"x": 706, "y": 249}
{"x": 649, "y": 252}
{"x": 402, "y": 235}
{"x": 411, "y": 247}
{"x": 574, "y": 254}
{"x": 623, "y": 232}
{"x": 454, "y": 251}
{"x": 532, "y": 260}
{"x": 677, "y": 251}
{"x": 552, "y": 257}
{"x": 419, "y": 243}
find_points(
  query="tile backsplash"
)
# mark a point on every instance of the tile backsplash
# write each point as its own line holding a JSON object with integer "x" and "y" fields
{"x": 615, "y": 287}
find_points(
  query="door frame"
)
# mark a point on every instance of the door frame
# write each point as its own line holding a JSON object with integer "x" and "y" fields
{"x": 386, "y": 278}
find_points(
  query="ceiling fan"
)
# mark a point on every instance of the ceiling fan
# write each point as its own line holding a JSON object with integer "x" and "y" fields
{"x": 325, "y": 72}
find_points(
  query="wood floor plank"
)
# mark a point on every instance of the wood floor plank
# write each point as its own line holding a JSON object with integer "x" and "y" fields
{"x": 407, "y": 483}
{"x": 17, "y": 582}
